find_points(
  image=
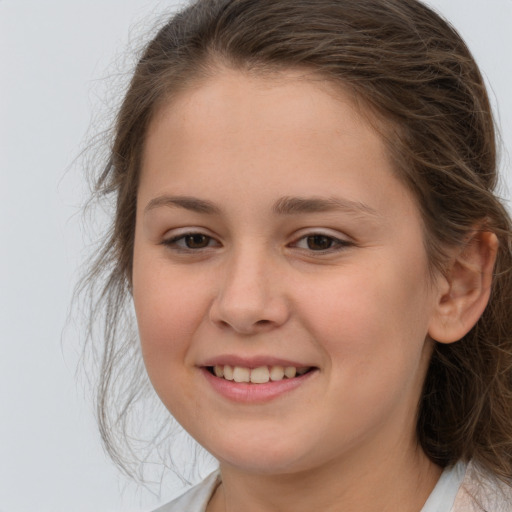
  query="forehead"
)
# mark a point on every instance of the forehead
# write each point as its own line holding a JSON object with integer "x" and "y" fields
{"x": 295, "y": 131}
{"x": 228, "y": 108}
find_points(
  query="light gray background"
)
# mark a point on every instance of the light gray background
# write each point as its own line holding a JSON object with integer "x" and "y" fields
{"x": 54, "y": 59}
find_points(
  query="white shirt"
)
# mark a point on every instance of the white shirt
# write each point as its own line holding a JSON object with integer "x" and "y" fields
{"x": 461, "y": 488}
{"x": 444, "y": 493}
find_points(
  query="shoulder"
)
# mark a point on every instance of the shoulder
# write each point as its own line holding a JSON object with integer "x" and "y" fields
{"x": 482, "y": 492}
{"x": 196, "y": 498}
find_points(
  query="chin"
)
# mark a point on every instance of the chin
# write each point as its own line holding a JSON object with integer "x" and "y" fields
{"x": 264, "y": 460}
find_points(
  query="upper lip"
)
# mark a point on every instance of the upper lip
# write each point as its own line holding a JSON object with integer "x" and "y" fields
{"x": 251, "y": 362}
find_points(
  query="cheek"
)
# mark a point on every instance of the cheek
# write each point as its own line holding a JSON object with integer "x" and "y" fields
{"x": 167, "y": 320}
{"x": 169, "y": 307}
{"x": 372, "y": 324}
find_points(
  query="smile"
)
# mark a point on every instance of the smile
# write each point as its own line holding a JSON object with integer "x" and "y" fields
{"x": 258, "y": 384}
{"x": 260, "y": 375}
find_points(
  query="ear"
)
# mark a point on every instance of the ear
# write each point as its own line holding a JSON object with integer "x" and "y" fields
{"x": 463, "y": 292}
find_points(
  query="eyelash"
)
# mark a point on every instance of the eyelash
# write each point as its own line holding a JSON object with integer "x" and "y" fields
{"x": 174, "y": 242}
{"x": 334, "y": 244}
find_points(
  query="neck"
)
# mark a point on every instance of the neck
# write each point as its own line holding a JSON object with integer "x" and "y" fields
{"x": 382, "y": 484}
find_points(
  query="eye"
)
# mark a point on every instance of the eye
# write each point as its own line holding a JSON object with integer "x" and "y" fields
{"x": 190, "y": 241}
{"x": 196, "y": 241}
{"x": 320, "y": 242}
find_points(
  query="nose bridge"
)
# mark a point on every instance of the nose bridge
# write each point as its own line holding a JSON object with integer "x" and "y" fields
{"x": 250, "y": 295}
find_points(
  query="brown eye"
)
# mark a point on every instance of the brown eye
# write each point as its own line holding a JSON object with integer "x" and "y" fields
{"x": 196, "y": 241}
{"x": 319, "y": 242}
{"x": 190, "y": 242}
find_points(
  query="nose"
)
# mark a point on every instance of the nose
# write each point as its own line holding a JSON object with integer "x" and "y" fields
{"x": 251, "y": 296}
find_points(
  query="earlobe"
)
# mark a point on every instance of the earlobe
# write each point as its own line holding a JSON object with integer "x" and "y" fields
{"x": 466, "y": 287}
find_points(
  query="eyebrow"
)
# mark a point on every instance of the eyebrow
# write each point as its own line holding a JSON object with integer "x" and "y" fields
{"x": 193, "y": 204}
{"x": 294, "y": 205}
{"x": 284, "y": 206}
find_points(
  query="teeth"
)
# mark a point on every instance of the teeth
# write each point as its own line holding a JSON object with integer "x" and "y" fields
{"x": 276, "y": 373}
{"x": 260, "y": 375}
{"x": 290, "y": 372}
{"x": 228, "y": 372}
{"x": 241, "y": 374}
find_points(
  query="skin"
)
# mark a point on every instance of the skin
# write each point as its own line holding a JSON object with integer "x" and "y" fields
{"x": 360, "y": 312}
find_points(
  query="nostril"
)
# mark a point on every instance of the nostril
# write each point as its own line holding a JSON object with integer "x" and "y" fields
{"x": 248, "y": 316}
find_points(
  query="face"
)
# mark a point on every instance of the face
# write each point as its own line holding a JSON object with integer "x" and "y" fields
{"x": 273, "y": 236}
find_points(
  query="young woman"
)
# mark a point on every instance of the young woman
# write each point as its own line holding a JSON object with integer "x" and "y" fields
{"x": 320, "y": 269}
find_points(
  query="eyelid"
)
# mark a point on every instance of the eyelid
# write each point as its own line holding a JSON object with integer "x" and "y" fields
{"x": 171, "y": 238}
{"x": 341, "y": 241}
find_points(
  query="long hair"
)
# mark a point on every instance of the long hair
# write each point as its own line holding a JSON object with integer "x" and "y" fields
{"x": 412, "y": 70}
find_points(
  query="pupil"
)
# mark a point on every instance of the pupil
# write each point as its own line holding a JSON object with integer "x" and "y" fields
{"x": 319, "y": 242}
{"x": 197, "y": 241}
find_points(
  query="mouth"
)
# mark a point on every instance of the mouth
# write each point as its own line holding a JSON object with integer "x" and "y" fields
{"x": 253, "y": 382}
{"x": 259, "y": 375}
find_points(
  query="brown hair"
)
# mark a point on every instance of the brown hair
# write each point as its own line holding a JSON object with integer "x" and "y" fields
{"x": 412, "y": 69}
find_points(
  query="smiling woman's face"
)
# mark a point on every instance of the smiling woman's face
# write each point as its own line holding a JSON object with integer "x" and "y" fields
{"x": 272, "y": 233}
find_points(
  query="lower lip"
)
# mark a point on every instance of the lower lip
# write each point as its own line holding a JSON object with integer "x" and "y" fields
{"x": 255, "y": 393}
